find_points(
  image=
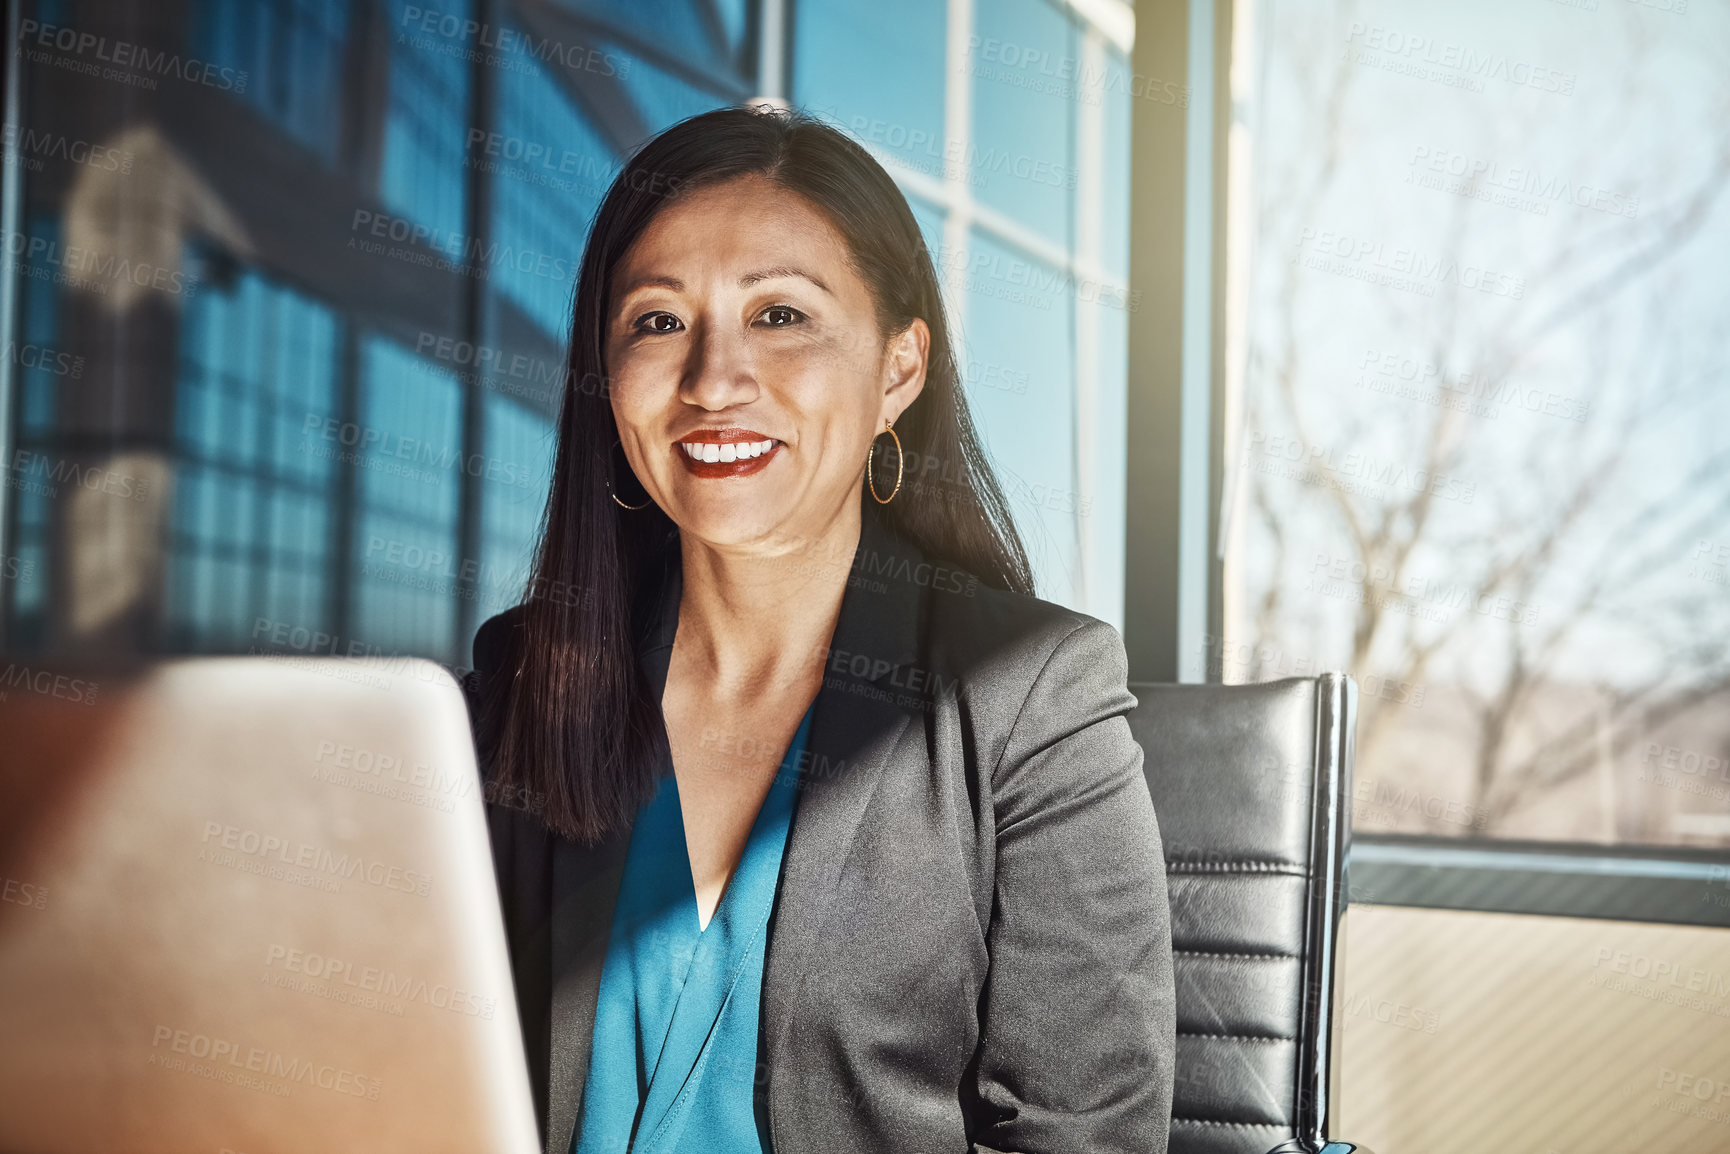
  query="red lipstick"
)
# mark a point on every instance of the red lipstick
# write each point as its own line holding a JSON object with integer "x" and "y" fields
{"x": 730, "y": 452}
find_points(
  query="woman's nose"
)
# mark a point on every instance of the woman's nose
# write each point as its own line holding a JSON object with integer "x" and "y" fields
{"x": 719, "y": 374}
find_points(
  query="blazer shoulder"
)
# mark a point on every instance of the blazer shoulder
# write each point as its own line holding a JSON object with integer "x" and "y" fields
{"x": 1012, "y": 654}
{"x": 1032, "y": 674}
{"x": 984, "y": 623}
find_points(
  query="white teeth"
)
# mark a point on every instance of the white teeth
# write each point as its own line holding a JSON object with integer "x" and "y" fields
{"x": 736, "y": 451}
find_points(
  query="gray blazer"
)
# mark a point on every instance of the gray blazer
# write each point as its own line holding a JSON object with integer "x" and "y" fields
{"x": 970, "y": 948}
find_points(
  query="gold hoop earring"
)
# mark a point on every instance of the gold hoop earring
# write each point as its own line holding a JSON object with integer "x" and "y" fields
{"x": 870, "y": 481}
{"x": 621, "y": 504}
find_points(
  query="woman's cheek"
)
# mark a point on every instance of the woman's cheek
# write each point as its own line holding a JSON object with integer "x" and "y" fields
{"x": 817, "y": 382}
{"x": 633, "y": 390}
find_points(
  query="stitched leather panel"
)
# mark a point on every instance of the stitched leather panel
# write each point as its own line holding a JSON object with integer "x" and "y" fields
{"x": 1238, "y": 994}
{"x": 1237, "y": 914}
{"x": 1234, "y": 767}
{"x": 1234, "y": 1079}
{"x": 1189, "y": 1136}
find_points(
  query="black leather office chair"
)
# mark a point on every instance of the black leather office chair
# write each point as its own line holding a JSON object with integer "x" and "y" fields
{"x": 1252, "y": 784}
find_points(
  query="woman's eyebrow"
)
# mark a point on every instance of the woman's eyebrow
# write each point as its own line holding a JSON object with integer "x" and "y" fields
{"x": 643, "y": 282}
{"x": 783, "y": 270}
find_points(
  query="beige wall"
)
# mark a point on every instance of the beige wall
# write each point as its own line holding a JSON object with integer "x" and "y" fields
{"x": 1476, "y": 1032}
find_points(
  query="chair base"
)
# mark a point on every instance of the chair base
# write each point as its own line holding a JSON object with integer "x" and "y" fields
{"x": 1299, "y": 1146}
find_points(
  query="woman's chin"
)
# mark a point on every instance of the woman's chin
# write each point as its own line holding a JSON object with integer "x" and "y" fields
{"x": 731, "y": 519}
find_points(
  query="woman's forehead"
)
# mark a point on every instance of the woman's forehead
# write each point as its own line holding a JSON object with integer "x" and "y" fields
{"x": 744, "y": 221}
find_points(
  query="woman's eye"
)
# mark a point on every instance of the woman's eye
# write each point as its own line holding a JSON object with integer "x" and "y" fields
{"x": 658, "y": 323}
{"x": 780, "y": 316}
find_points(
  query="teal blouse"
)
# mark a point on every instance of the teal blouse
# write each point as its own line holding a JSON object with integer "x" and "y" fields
{"x": 674, "y": 1060}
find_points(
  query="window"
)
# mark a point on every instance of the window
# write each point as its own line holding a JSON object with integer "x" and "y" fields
{"x": 664, "y": 98}
{"x": 512, "y": 500}
{"x": 706, "y": 35}
{"x": 1481, "y": 460}
{"x": 329, "y": 402}
{"x": 1017, "y": 204}
{"x": 878, "y": 72}
{"x": 548, "y": 170}
{"x": 249, "y": 536}
{"x": 288, "y": 61}
{"x": 410, "y": 463}
{"x": 43, "y": 368}
{"x": 426, "y": 121}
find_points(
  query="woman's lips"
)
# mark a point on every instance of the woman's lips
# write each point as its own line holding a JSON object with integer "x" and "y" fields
{"x": 714, "y": 453}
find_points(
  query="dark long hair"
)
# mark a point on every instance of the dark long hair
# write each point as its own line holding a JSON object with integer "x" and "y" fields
{"x": 570, "y": 714}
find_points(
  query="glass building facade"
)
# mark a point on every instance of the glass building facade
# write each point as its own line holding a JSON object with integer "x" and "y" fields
{"x": 316, "y": 278}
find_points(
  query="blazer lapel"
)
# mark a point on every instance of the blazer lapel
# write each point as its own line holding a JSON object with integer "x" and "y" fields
{"x": 585, "y": 891}
{"x": 859, "y": 727}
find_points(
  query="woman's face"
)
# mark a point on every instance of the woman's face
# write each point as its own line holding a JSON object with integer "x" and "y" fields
{"x": 748, "y": 375}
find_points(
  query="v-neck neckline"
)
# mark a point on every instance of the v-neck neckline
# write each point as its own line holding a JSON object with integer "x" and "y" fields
{"x": 753, "y": 836}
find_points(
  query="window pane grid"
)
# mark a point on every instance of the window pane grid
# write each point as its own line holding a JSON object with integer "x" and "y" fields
{"x": 230, "y": 544}
{"x": 284, "y": 58}
{"x": 511, "y": 513}
{"x": 409, "y": 488}
{"x": 423, "y": 175}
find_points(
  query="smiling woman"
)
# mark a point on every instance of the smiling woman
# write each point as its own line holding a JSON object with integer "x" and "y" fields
{"x": 831, "y": 856}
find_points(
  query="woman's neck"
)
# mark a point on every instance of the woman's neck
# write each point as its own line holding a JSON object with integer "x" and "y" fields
{"x": 756, "y": 619}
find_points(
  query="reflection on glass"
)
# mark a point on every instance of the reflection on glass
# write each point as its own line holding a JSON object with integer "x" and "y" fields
{"x": 548, "y": 170}
{"x": 425, "y": 128}
{"x": 287, "y": 60}
{"x": 411, "y": 471}
{"x": 704, "y": 34}
{"x": 511, "y": 505}
{"x": 664, "y": 98}
{"x": 254, "y": 402}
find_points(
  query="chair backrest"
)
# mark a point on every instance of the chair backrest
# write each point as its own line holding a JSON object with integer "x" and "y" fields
{"x": 1252, "y": 785}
